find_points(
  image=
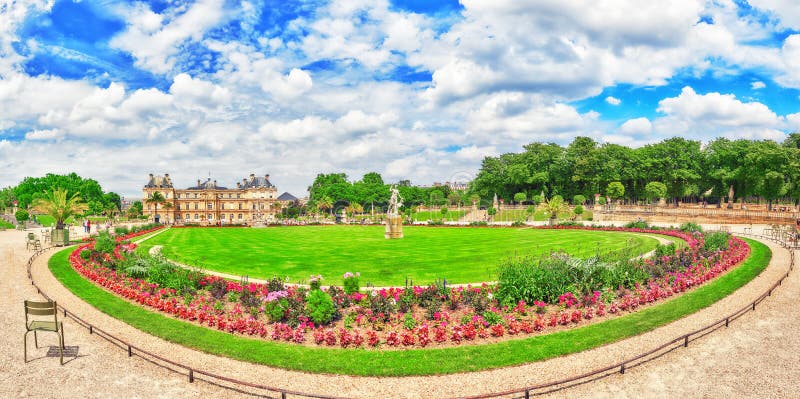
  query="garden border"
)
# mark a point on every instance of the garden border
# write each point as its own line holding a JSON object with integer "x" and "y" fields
{"x": 539, "y": 389}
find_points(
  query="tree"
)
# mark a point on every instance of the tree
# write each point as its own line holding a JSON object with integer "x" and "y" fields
{"x": 491, "y": 211}
{"x": 453, "y": 198}
{"x": 773, "y": 187}
{"x": 615, "y": 190}
{"x": 655, "y": 190}
{"x": 168, "y": 205}
{"x": 325, "y": 203}
{"x": 520, "y": 197}
{"x": 60, "y": 206}
{"x": 155, "y": 198}
{"x": 137, "y": 209}
{"x": 436, "y": 197}
{"x": 21, "y": 216}
{"x": 578, "y": 199}
{"x": 553, "y": 207}
{"x": 444, "y": 211}
{"x": 475, "y": 199}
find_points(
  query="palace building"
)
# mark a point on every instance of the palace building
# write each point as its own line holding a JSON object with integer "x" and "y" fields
{"x": 254, "y": 201}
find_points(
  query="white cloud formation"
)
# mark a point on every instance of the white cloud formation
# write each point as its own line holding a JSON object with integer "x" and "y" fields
{"x": 613, "y": 100}
{"x": 636, "y": 127}
{"x": 154, "y": 43}
{"x": 758, "y": 85}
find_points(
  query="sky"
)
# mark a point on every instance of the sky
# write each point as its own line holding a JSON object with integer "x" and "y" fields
{"x": 412, "y": 89}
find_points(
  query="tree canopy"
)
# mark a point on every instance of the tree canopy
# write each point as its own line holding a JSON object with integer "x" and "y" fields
{"x": 688, "y": 170}
{"x": 33, "y": 188}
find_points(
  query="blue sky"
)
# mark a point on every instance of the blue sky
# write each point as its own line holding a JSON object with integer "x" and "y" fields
{"x": 412, "y": 89}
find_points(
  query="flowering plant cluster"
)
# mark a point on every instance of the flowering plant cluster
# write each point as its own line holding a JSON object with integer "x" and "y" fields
{"x": 399, "y": 317}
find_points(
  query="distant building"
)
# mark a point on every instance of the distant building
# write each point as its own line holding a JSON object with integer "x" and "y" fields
{"x": 453, "y": 186}
{"x": 254, "y": 200}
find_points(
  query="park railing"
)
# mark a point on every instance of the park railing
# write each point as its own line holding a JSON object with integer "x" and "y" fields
{"x": 526, "y": 392}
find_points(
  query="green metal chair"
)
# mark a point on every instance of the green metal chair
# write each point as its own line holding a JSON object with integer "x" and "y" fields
{"x": 47, "y": 308}
{"x": 32, "y": 241}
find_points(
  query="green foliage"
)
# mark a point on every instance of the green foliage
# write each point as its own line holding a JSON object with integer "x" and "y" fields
{"x": 104, "y": 243}
{"x": 601, "y": 201}
{"x": 319, "y": 306}
{"x": 578, "y": 199}
{"x": 520, "y": 197}
{"x": 675, "y": 167}
{"x": 716, "y": 241}
{"x": 408, "y": 321}
{"x": 578, "y": 210}
{"x": 32, "y": 188}
{"x": 21, "y": 216}
{"x": 690, "y": 227}
{"x": 638, "y": 224}
{"x": 276, "y": 310}
{"x": 615, "y": 190}
{"x": 351, "y": 283}
{"x": 60, "y": 205}
{"x": 545, "y": 279}
{"x": 655, "y": 190}
{"x": 492, "y": 318}
{"x": 491, "y": 211}
{"x": 665, "y": 250}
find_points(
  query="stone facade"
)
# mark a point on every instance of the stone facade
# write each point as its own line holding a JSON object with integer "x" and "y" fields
{"x": 254, "y": 201}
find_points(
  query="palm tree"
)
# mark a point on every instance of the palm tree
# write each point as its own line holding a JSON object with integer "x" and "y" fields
{"x": 155, "y": 198}
{"x": 325, "y": 203}
{"x": 553, "y": 207}
{"x": 167, "y": 206}
{"x": 58, "y": 205}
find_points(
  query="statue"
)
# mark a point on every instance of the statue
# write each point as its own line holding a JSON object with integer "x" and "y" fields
{"x": 394, "y": 223}
{"x": 395, "y": 202}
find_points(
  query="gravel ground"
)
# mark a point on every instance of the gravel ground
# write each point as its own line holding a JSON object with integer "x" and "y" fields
{"x": 757, "y": 356}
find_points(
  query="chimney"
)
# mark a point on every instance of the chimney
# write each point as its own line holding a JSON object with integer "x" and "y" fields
{"x": 151, "y": 175}
{"x": 238, "y": 185}
{"x": 266, "y": 176}
{"x": 198, "y": 182}
{"x": 166, "y": 175}
{"x": 252, "y": 176}
{"x": 215, "y": 182}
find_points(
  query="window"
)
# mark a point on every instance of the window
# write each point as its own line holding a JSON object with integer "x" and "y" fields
{"x": 240, "y": 216}
{"x": 195, "y": 216}
{"x": 261, "y": 206}
{"x": 209, "y": 206}
{"x": 222, "y": 206}
{"x": 195, "y": 195}
{"x": 238, "y": 195}
{"x": 240, "y": 206}
{"x": 178, "y": 195}
{"x": 230, "y": 216}
{"x": 195, "y": 205}
{"x": 254, "y": 206}
{"x": 210, "y": 216}
{"x": 230, "y": 195}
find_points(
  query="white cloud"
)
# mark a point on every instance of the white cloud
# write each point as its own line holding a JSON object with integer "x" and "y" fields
{"x": 757, "y": 85}
{"x": 154, "y": 44}
{"x": 613, "y": 100}
{"x": 786, "y": 10}
{"x": 706, "y": 116}
{"x": 43, "y": 134}
{"x": 636, "y": 127}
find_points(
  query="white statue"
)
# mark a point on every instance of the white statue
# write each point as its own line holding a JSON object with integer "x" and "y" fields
{"x": 395, "y": 202}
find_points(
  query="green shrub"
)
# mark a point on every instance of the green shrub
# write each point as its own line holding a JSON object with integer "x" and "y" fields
{"x": 21, "y": 215}
{"x": 691, "y": 227}
{"x": 638, "y": 224}
{"x": 121, "y": 230}
{"x": 319, "y": 307}
{"x": 665, "y": 250}
{"x": 408, "y": 321}
{"x": 104, "y": 243}
{"x": 276, "y": 310}
{"x": 351, "y": 283}
{"x": 716, "y": 241}
{"x": 578, "y": 210}
{"x": 86, "y": 254}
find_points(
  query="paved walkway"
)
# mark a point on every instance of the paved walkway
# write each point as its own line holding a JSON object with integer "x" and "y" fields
{"x": 755, "y": 357}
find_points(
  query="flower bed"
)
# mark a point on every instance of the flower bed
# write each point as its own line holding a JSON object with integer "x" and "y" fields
{"x": 403, "y": 317}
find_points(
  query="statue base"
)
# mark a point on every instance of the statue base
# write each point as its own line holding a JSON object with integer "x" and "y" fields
{"x": 394, "y": 227}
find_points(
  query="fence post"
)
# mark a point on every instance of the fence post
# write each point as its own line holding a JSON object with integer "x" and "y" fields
{"x": 130, "y": 351}
{"x": 622, "y": 368}
{"x": 727, "y": 320}
{"x": 686, "y": 341}
{"x": 191, "y": 375}
{"x": 91, "y": 330}
{"x": 527, "y": 394}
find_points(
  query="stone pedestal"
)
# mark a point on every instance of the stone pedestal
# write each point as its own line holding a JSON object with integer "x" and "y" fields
{"x": 394, "y": 227}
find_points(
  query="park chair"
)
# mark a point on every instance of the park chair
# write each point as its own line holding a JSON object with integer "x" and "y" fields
{"x": 32, "y": 241}
{"x": 43, "y": 309}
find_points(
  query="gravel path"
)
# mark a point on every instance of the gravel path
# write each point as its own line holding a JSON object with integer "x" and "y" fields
{"x": 755, "y": 357}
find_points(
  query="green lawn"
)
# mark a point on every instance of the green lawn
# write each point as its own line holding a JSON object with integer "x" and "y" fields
{"x": 5, "y": 225}
{"x": 452, "y": 215}
{"x": 415, "y": 361}
{"x": 461, "y": 255}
